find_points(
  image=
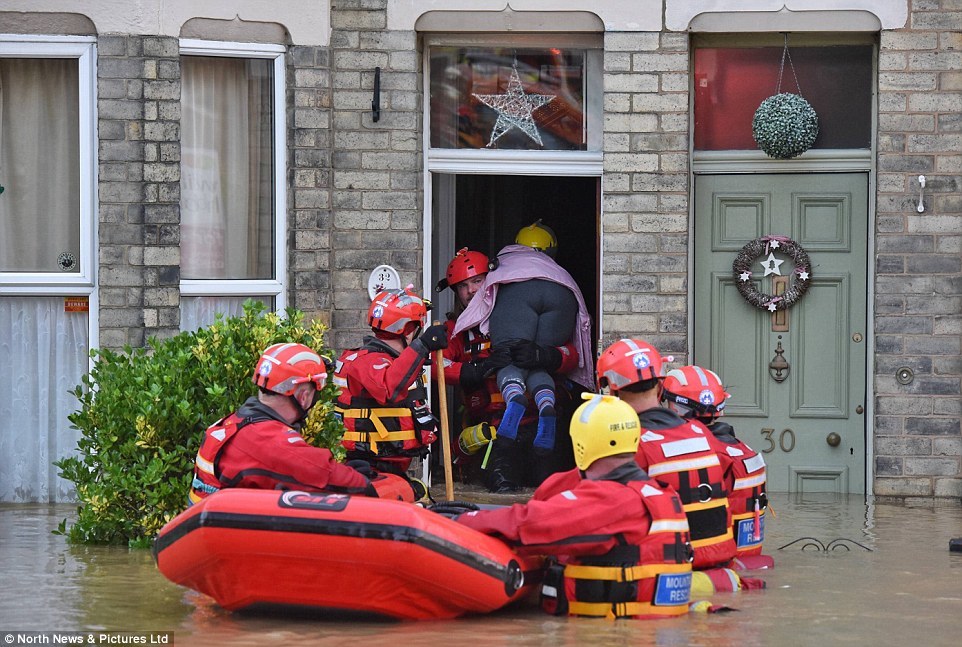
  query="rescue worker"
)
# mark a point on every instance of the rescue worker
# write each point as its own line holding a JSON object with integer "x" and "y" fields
{"x": 383, "y": 398}
{"x": 259, "y": 446}
{"x": 618, "y": 541}
{"x": 470, "y": 363}
{"x": 529, "y": 302}
{"x": 697, "y": 393}
{"x": 675, "y": 452}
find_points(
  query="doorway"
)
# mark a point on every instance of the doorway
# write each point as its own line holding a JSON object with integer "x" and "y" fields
{"x": 485, "y": 212}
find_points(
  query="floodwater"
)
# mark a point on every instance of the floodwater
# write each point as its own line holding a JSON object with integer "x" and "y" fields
{"x": 861, "y": 574}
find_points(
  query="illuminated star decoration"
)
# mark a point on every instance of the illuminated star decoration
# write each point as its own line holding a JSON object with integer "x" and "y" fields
{"x": 514, "y": 109}
{"x": 771, "y": 264}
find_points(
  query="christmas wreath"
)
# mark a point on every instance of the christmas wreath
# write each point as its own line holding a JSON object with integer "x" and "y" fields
{"x": 765, "y": 246}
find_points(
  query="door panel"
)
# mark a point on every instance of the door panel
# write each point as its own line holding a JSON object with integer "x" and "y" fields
{"x": 789, "y": 421}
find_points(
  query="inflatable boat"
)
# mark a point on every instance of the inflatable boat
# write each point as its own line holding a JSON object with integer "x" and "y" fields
{"x": 332, "y": 555}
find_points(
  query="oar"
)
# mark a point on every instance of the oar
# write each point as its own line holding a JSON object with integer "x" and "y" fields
{"x": 445, "y": 434}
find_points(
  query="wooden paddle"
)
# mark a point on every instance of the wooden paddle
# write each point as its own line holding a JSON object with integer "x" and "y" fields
{"x": 445, "y": 433}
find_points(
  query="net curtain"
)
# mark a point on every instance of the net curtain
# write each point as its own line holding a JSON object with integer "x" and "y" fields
{"x": 44, "y": 350}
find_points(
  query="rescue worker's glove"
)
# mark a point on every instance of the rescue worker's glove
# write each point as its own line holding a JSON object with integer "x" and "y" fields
{"x": 433, "y": 338}
{"x": 452, "y": 509}
{"x": 363, "y": 467}
{"x": 530, "y": 355}
{"x": 473, "y": 373}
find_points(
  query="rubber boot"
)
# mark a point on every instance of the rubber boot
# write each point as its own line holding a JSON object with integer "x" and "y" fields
{"x": 503, "y": 473}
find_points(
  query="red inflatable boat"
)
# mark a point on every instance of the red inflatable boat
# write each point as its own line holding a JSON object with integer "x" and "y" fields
{"x": 338, "y": 556}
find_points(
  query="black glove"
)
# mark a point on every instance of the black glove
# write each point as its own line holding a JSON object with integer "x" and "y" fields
{"x": 499, "y": 356}
{"x": 434, "y": 338}
{"x": 472, "y": 375}
{"x": 363, "y": 467}
{"x": 528, "y": 354}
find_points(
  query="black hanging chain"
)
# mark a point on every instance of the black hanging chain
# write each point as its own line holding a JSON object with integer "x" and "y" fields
{"x": 781, "y": 69}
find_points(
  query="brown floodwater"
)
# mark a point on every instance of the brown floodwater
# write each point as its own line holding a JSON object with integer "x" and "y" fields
{"x": 862, "y": 574}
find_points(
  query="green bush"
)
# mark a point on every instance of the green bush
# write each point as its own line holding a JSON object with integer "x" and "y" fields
{"x": 143, "y": 413}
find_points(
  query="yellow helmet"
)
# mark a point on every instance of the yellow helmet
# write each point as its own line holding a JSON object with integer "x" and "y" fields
{"x": 603, "y": 426}
{"x": 539, "y": 237}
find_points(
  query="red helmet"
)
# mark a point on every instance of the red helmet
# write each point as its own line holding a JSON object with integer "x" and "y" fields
{"x": 397, "y": 311}
{"x": 283, "y": 366}
{"x": 695, "y": 391}
{"x": 465, "y": 265}
{"x": 627, "y": 362}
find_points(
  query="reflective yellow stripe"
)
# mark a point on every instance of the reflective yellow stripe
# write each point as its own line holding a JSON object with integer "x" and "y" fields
{"x": 374, "y": 415}
{"x": 697, "y": 506}
{"x": 385, "y": 412}
{"x": 623, "y": 609}
{"x": 708, "y": 541}
{"x": 390, "y": 436}
{"x": 748, "y": 515}
{"x": 682, "y": 465}
{"x": 619, "y": 574}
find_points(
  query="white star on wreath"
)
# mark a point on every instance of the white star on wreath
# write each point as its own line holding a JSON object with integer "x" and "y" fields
{"x": 514, "y": 109}
{"x": 771, "y": 264}
{"x": 745, "y": 276}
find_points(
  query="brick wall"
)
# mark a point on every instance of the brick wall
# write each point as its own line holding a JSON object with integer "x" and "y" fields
{"x": 138, "y": 105}
{"x": 645, "y": 222}
{"x": 918, "y": 301}
{"x": 376, "y": 167}
{"x": 309, "y": 204}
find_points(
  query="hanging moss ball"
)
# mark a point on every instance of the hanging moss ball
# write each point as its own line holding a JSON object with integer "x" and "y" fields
{"x": 785, "y": 126}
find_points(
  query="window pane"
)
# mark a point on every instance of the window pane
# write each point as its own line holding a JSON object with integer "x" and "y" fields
{"x": 198, "y": 312}
{"x": 39, "y": 165}
{"x": 509, "y": 99}
{"x": 227, "y": 192}
{"x": 731, "y": 83}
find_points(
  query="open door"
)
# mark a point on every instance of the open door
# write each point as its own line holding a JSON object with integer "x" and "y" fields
{"x": 485, "y": 212}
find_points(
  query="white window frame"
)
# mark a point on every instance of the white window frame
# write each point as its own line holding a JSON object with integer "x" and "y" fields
{"x": 505, "y": 162}
{"x": 84, "y": 49}
{"x": 275, "y": 288}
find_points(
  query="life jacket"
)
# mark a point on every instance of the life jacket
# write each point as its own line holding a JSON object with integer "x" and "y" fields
{"x": 649, "y": 579}
{"x": 678, "y": 453}
{"x": 747, "y": 498}
{"x": 382, "y": 429}
{"x": 206, "y": 479}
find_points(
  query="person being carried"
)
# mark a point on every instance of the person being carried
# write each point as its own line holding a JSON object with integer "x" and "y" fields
{"x": 470, "y": 363}
{"x": 697, "y": 393}
{"x": 531, "y": 303}
{"x": 383, "y": 397}
{"x": 618, "y": 541}
{"x": 258, "y": 446}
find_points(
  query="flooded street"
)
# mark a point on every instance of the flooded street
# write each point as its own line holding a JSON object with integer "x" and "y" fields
{"x": 888, "y": 580}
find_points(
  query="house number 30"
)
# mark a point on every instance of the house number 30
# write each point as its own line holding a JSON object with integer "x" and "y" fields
{"x": 786, "y": 440}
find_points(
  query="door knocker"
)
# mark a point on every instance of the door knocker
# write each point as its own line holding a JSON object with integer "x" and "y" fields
{"x": 779, "y": 368}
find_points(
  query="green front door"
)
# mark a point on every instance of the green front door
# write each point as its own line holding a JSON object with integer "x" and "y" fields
{"x": 806, "y": 413}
